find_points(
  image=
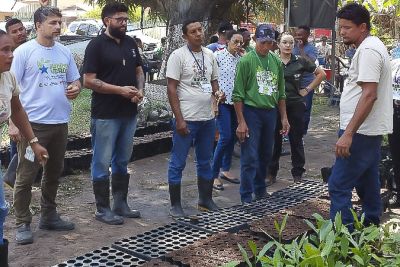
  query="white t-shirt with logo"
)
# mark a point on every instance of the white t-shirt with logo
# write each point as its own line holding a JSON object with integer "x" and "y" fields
{"x": 8, "y": 89}
{"x": 194, "y": 87}
{"x": 396, "y": 78}
{"x": 43, "y": 74}
{"x": 371, "y": 63}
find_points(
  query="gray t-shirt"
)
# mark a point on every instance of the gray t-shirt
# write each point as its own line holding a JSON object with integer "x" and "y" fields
{"x": 8, "y": 89}
{"x": 194, "y": 88}
{"x": 371, "y": 63}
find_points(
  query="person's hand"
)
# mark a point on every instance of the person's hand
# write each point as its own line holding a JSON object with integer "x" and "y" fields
{"x": 285, "y": 126}
{"x": 40, "y": 152}
{"x": 303, "y": 92}
{"x": 138, "y": 97}
{"x": 72, "y": 91}
{"x": 14, "y": 133}
{"x": 342, "y": 148}
{"x": 181, "y": 127}
{"x": 220, "y": 96}
{"x": 128, "y": 91}
{"x": 242, "y": 132}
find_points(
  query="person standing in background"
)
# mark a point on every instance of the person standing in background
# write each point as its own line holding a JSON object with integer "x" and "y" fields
{"x": 223, "y": 28}
{"x": 308, "y": 51}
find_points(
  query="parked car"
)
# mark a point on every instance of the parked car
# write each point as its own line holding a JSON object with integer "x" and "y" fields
{"x": 84, "y": 27}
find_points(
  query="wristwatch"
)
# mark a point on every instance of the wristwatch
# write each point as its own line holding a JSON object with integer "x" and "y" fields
{"x": 34, "y": 140}
{"x": 308, "y": 89}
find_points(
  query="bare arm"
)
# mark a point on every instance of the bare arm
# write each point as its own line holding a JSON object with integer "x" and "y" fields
{"x": 283, "y": 114}
{"x": 172, "y": 90}
{"x": 363, "y": 108}
{"x": 90, "y": 81}
{"x": 319, "y": 77}
{"x": 242, "y": 130}
{"x": 20, "y": 119}
{"x": 140, "y": 79}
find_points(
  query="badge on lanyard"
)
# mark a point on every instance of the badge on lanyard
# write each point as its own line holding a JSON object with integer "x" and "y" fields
{"x": 205, "y": 85}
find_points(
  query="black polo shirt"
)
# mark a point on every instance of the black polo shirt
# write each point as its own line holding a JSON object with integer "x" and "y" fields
{"x": 293, "y": 72}
{"x": 115, "y": 64}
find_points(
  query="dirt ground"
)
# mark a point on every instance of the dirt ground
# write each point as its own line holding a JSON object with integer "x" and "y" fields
{"x": 149, "y": 193}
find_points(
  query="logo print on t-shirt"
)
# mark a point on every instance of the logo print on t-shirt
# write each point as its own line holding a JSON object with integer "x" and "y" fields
{"x": 42, "y": 67}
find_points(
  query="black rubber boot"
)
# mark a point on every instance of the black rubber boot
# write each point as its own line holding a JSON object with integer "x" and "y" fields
{"x": 4, "y": 253}
{"x": 104, "y": 213}
{"x": 176, "y": 210}
{"x": 120, "y": 186}
{"x": 205, "y": 195}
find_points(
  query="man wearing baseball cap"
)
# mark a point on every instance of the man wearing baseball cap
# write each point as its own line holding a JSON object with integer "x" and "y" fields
{"x": 258, "y": 94}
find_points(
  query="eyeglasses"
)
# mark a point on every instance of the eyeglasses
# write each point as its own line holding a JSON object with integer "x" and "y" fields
{"x": 237, "y": 42}
{"x": 120, "y": 20}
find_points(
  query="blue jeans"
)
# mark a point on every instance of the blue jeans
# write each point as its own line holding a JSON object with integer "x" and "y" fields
{"x": 13, "y": 149}
{"x": 202, "y": 134}
{"x": 3, "y": 208}
{"x": 360, "y": 171}
{"x": 112, "y": 143}
{"x": 307, "y": 112}
{"x": 227, "y": 124}
{"x": 256, "y": 151}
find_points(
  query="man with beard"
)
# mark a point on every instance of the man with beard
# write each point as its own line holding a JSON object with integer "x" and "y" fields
{"x": 113, "y": 70}
{"x": 366, "y": 113}
{"x": 17, "y": 31}
{"x": 48, "y": 78}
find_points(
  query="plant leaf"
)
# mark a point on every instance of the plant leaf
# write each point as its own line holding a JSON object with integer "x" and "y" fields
{"x": 245, "y": 256}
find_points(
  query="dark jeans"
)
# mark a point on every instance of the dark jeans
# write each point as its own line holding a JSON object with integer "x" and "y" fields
{"x": 227, "y": 124}
{"x": 256, "y": 151}
{"x": 394, "y": 142}
{"x": 307, "y": 112}
{"x": 360, "y": 171}
{"x": 295, "y": 113}
{"x": 13, "y": 149}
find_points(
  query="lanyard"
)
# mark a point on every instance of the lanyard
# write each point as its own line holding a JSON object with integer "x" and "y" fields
{"x": 259, "y": 60}
{"x": 197, "y": 63}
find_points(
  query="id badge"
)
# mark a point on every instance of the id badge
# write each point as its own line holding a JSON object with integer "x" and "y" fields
{"x": 29, "y": 155}
{"x": 206, "y": 86}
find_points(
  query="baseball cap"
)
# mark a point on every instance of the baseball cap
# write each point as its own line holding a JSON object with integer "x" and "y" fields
{"x": 265, "y": 32}
{"x": 224, "y": 26}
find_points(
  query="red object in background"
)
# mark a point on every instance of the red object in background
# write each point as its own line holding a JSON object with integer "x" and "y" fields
{"x": 318, "y": 33}
{"x": 328, "y": 74}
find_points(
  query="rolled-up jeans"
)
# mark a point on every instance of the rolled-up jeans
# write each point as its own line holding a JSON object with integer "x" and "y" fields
{"x": 3, "y": 208}
{"x": 112, "y": 143}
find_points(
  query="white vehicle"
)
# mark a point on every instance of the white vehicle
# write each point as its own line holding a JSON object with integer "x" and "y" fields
{"x": 84, "y": 27}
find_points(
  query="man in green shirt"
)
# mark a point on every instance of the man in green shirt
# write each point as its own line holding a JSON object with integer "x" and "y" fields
{"x": 258, "y": 91}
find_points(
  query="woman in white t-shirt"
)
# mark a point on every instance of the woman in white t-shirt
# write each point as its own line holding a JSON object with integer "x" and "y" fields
{"x": 394, "y": 138}
{"x": 10, "y": 106}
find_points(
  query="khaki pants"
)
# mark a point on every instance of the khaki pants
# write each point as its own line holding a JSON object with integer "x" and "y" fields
{"x": 54, "y": 138}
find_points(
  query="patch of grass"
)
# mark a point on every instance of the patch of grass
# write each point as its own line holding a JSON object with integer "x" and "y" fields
{"x": 80, "y": 115}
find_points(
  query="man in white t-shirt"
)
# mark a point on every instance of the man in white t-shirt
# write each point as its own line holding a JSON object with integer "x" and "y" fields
{"x": 366, "y": 113}
{"x": 192, "y": 74}
{"x": 49, "y": 79}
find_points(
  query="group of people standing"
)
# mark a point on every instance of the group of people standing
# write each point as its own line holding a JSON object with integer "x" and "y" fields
{"x": 259, "y": 95}
{"x": 250, "y": 94}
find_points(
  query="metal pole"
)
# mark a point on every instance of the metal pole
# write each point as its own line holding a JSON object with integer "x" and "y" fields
{"x": 333, "y": 53}
{"x": 288, "y": 16}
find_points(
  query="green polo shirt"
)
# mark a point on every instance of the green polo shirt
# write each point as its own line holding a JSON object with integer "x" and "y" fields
{"x": 294, "y": 70}
{"x": 259, "y": 81}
